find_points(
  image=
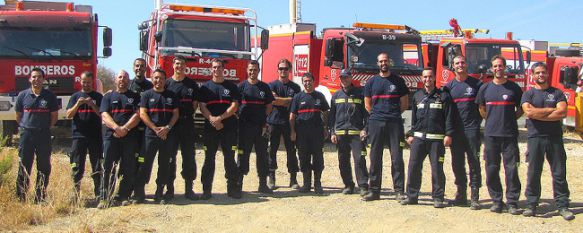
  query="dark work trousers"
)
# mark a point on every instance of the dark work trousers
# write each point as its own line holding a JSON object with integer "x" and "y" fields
{"x": 466, "y": 144}
{"x": 34, "y": 142}
{"x": 252, "y": 135}
{"x": 383, "y": 133}
{"x": 119, "y": 151}
{"x": 553, "y": 147}
{"x": 277, "y": 131}
{"x": 310, "y": 142}
{"x": 419, "y": 150}
{"x": 153, "y": 146}
{"x": 227, "y": 138}
{"x": 346, "y": 145}
{"x": 185, "y": 136}
{"x": 80, "y": 147}
{"x": 505, "y": 149}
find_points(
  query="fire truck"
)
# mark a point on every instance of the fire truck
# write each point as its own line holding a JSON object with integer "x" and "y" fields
{"x": 354, "y": 48}
{"x": 58, "y": 37}
{"x": 441, "y": 46}
{"x": 200, "y": 33}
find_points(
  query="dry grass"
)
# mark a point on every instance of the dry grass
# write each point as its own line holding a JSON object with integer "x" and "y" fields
{"x": 18, "y": 215}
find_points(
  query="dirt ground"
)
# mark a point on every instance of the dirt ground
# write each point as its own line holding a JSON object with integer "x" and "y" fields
{"x": 289, "y": 211}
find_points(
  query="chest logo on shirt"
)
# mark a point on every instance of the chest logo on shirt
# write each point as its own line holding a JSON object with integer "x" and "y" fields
{"x": 190, "y": 91}
{"x": 131, "y": 100}
{"x": 469, "y": 91}
{"x": 169, "y": 100}
{"x": 291, "y": 92}
{"x": 152, "y": 100}
{"x": 303, "y": 102}
{"x": 550, "y": 97}
{"x": 43, "y": 103}
{"x": 505, "y": 97}
{"x": 317, "y": 102}
{"x": 226, "y": 92}
{"x": 392, "y": 88}
{"x": 262, "y": 94}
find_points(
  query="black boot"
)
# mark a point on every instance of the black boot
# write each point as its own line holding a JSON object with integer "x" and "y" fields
{"x": 169, "y": 191}
{"x": 158, "y": 196}
{"x": 189, "y": 192}
{"x": 317, "y": 182}
{"x": 475, "y": 203}
{"x": 307, "y": 182}
{"x": 271, "y": 181}
{"x": 263, "y": 186}
{"x": 461, "y": 196}
{"x": 293, "y": 180}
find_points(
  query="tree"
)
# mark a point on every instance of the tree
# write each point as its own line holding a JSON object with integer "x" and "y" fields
{"x": 106, "y": 77}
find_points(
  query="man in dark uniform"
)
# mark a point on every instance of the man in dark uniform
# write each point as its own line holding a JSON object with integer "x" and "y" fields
{"x": 385, "y": 98}
{"x": 159, "y": 113}
{"x": 463, "y": 90}
{"x": 256, "y": 98}
{"x": 499, "y": 102}
{"x": 140, "y": 84}
{"x": 83, "y": 108}
{"x": 186, "y": 91}
{"x": 119, "y": 111}
{"x": 283, "y": 90}
{"x": 308, "y": 123}
{"x": 432, "y": 127}
{"x": 545, "y": 107}
{"x": 348, "y": 119}
{"x": 36, "y": 111}
{"x": 219, "y": 100}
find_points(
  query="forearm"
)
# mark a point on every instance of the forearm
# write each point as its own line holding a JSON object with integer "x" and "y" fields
{"x": 205, "y": 111}
{"x": 292, "y": 122}
{"x": 108, "y": 121}
{"x": 230, "y": 111}
{"x": 54, "y": 118}
{"x": 133, "y": 122}
{"x": 268, "y": 109}
{"x": 325, "y": 118}
{"x": 73, "y": 110}
{"x": 146, "y": 119}
{"x": 175, "y": 116}
{"x": 282, "y": 101}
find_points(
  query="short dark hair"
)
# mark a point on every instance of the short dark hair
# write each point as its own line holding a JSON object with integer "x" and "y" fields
{"x": 459, "y": 56}
{"x": 218, "y": 60}
{"x": 139, "y": 59}
{"x": 383, "y": 53}
{"x": 498, "y": 57}
{"x": 161, "y": 71}
{"x": 179, "y": 57}
{"x": 38, "y": 69}
{"x": 254, "y": 62}
{"x": 284, "y": 60}
{"x": 87, "y": 74}
{"x": 538, "y": 64}
{"x": 309, "y": 75}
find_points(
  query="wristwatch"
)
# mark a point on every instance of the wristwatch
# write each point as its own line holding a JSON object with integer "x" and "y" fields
{"x": 169, "y": 127}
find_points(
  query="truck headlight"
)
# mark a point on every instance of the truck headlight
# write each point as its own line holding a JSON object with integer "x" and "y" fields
{"x": 5, "y": 105}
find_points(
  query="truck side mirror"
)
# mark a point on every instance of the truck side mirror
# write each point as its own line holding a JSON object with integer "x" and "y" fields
{"x": 158, "y": 37}
{"x": 107, "y": 37}
{"x": 264, "y": 39}
{"x": 107, "y": 52}
{"x": 144, "y": 40}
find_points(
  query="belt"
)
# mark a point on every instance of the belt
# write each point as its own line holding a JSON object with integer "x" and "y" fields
{"x": 428, "y": 135}
{"x": 347, "y": 132}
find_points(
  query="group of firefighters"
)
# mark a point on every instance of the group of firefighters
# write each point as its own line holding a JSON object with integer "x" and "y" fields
{"x": 145, "y": 118}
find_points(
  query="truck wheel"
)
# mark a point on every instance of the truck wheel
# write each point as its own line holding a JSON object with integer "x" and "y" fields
{"x": 8, "y": 129}
{"x": 568, "y": 52}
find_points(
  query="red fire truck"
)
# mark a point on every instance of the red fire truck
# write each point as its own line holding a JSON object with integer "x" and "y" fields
{"x": 441, "y": 46}
{"x": 354, "y": 48}
{"x": 58, "y": 37}
{"x": 200, "y": 33}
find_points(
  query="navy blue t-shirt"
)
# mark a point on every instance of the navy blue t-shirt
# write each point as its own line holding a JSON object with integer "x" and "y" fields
{"x": 548, "y": 98}
{"x": 254, "y": 98}
{"x": 280, "y": 114}
{"x": 140, "y": 87}
{"x": 186, "y": 92}
{"x": 308, "y": 108}
{"x": 160, "y": 106}
{"x": 464, "y": 96}
{"x": 86, "y": 122}
{"x": 120, "y": 106}
{"x": 218, "y": 97}
{"x": 386, "y": 94}
{"x": 36, "y": 110}
{"x": 501, "y": 103}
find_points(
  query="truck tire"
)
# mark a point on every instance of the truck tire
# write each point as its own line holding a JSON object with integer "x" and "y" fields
{"x": 8, "y": 129}
{"x": 568, "y": 52}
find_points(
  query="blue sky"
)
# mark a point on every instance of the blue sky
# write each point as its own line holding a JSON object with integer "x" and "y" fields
{"x": 551, "y": 20}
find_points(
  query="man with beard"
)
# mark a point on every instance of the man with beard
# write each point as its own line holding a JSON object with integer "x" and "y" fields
{"x": 348, "y": 119}
{"x": 385, "y": 98}
{"x": 463, "y": 90}
{"x": 308, "y": 124}
{"x": 499, "y": 102}
{"x": 432, "y": 127}
{"x": 36, "y": 111}
{"x": 545, "y": 107}
{"x": 83, "y": 109}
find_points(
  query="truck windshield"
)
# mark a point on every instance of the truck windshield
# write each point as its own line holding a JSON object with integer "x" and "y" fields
{"x": 403, "y": 56}
{"x": 45, "y": 42}
{"x": 206, "y": 35}
{"x": 478, "y": 57}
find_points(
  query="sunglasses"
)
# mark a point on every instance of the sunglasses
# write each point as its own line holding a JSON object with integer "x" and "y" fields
{"x": 283, "y": 68}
